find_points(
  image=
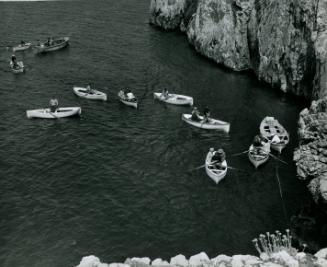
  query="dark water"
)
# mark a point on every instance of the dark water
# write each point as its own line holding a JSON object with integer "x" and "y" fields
{"x": 117, "y": 183}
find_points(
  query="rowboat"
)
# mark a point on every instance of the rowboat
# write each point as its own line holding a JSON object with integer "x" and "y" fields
{"x": 59, "y": 113}
{"x": 271, "y": 129}
{"x": 54, "y": 46}
{"x": 213, "y": 124}
{"x": 129, "y": 102}
{"x": 174, "y": 99}
{"x": 257, "y": 156}
{"x": 212, "y": 171}
{"x": 21, "y": 47}
{"x": 93, "y": 95}
{"x": 19, "y": 68}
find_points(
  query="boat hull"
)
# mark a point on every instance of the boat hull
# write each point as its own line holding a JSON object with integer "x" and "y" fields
{"x": 95, "y": 95}
{"x": 130, "y": 103}
{"x": 59, "y": 113}
{"x": 175, "y": 99}
{"x": 21, "y": 68}
{"x": 45, "y": 49}
{"x": 20, "y": 48}
{"x": 270, "y": 127}
{"x": 257, "y": 160}
{"x": 213, "y": 125}
{"x": 215, "y": 174}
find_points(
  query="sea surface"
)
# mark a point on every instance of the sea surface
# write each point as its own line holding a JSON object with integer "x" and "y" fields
{"x": 119, "y": 182}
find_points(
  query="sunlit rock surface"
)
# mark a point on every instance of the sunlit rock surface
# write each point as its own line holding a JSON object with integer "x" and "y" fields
{"x": 311, "y": 156}
{"x": 283, "y": 41}
{"x": 278, "y": 259}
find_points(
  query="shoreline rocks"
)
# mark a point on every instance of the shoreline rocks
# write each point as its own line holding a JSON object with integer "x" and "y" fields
{"x": 283, "y": 42}
{"x": 279, "y": 259}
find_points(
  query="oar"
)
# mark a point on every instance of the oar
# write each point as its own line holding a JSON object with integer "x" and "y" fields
{"x": 276, "y": 158}
{"x": 204, "y": 165}
{"x": 246, "y": 151}
{"x": 53, "y": 115}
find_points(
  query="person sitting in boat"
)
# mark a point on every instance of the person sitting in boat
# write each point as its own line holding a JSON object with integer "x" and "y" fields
{"x": 53, "y": 103}
{"x": 48, "y": 41}
{"x": 206, "y": 114}
{"x": 260, "y": 145}
{"x": 195, "y": 114}
{"x": 165, "y": 93}
{"x": 89, "y": 90}
{"x": 218, "y": 158}
{"x": 130, "y": 95}
{"x": 22, "y": 43}
{"x": 13, "y": 62}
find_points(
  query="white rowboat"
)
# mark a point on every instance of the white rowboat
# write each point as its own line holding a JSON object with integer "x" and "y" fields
{"x": 215, "y": 174}
{"x": 271, "y": 129}
{"x": 59, "y": 113}
{"x": 128, "y": 102}
{"x": 18, "y": 69}
{"x": 93, "y": 95}
{"x": 21, "y": 47}
{"x": 56, "y": 45}
{"x": 174, "y": 99}
{"x": 257, "y": 158}
{"x": 213, "y": 124}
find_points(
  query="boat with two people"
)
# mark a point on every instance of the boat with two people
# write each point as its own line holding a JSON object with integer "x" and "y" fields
{"x": 205, "y": 122}
{"x": 52, "y": 45}
{"x": 259, "y": 151}
{"x": 127, "y": 98}
{"x": 53, "y": 112}
{"x": 89, "y": 93}
{"x": 173, "y": 99}
{"x": 216, "y": 165}
{"x": 276, "y": 134}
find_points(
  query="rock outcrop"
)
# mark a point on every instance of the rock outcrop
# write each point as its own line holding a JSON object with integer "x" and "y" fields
{"x": 280, "y": 259}
{"x": 311, "y": 156}
{"x": 283, "y": 41}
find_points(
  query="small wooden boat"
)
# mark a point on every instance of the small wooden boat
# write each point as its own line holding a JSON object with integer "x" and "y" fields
{"x": 257, "y": 156}
{"x": 129, "y": 102}
{"x": 21, "y": 47}
{"x": 93, "y": 95}
{"x": 17, "y": 69}
{"x": 55, "y": 45}
{"x": 59, "y": 113}
{"x": 213, "y": 124}
{"x": 174, "y": 99}
{"x": 212, "y": 171}
{"x": 271, "y": 129}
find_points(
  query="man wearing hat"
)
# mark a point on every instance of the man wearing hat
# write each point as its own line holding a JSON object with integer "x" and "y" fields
{"x": 219, "y": 157}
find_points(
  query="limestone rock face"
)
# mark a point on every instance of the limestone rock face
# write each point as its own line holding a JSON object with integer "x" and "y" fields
{"x": 283, "y": 41}
{"x": 311, "y": 156}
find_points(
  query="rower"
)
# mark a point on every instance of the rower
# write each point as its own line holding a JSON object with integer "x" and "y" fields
{"x": 195, "y": 114}
{"x": 89, "y": 90}
{"x": 14, "y": 61}
{"x": 22, "y": 43}
{"x": 53, "y": 103}
{"x": 206, "y": 114}
{"x": 260, "y": 144}
{"x": 219, "y": 157}
{"x": 165, "y": 93}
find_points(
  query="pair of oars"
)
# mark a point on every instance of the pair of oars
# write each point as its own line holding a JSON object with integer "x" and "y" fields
{"x": 273, "y": 156}
{"x": 202, "y": 166}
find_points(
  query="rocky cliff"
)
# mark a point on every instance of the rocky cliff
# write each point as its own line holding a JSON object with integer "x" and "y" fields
{"x": 311, "y": 161}
{"x": 283, "y": 41}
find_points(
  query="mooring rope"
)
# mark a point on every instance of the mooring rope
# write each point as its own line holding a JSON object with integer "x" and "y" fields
{"x": 281, "y": 196}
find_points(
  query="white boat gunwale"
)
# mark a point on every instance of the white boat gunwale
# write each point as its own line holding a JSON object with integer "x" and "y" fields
{"x": 214, "y": 125}
{"x": 215, "y": 174}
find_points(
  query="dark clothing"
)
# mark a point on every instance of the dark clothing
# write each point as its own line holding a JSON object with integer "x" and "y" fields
{"x": 219, "y": 157}
{"x": 195, "y": 116}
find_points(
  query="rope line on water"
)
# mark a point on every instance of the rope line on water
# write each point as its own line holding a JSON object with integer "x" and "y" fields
{"x": 281, "y": 196}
